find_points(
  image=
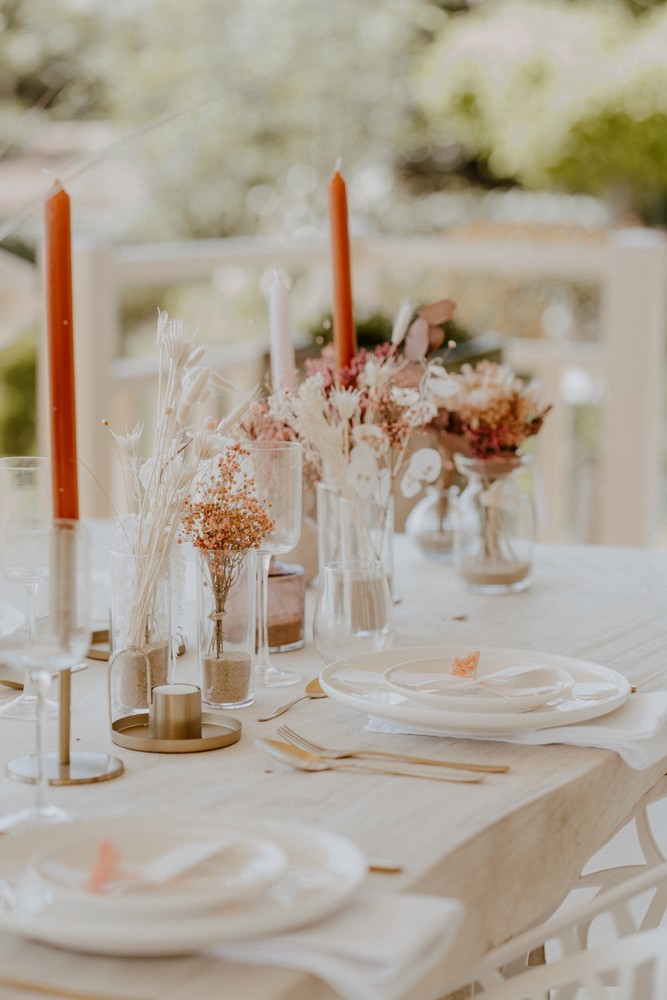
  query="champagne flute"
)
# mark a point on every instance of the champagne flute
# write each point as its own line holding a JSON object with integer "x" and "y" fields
{"x": 275, "y": 467}
{"x": 25, "y": 493}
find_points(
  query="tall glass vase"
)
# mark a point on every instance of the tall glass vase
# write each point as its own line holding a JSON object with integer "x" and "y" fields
{"x": 356, "y": 527}
{"x": 141, "y": 638}
{"x": 226, "y": 626}
{"x": 494, "y": 525}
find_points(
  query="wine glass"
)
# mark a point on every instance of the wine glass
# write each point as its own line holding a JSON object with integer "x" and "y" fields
{"x": 275, "y": 467}
{"x": 42, "y": 810}
{"x": 354, "y": 609}
{"x": 24, "y": 526}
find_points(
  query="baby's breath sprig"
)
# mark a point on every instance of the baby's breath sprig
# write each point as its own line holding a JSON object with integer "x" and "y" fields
{"x": 223, "y": 520}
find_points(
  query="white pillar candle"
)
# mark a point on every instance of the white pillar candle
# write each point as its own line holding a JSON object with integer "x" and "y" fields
{"x": 281, "y": 346}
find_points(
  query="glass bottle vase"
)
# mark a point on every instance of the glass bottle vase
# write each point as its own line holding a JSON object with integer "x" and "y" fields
{"x": 493, "y": 544}
{"x": 226, "y": 626}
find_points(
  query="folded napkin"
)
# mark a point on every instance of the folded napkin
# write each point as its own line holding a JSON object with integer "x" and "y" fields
{"x": 637, "y": 731}
{"x": 376, "y": 948}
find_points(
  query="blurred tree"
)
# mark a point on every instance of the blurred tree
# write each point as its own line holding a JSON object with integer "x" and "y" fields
{"x": 553, "y": 94}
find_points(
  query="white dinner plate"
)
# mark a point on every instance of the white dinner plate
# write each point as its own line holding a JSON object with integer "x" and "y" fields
{"x": 323, "y": 871}
{"x": 359, "y": 683}
{"x": 242, "y": 867}
{"x": 512, "y": 688}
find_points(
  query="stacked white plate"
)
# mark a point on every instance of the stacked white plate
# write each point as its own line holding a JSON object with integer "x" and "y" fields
{"x": 514, "y": 691}
{"x": 173, "y": 886}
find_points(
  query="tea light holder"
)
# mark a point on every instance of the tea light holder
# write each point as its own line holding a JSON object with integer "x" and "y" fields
{"x": 174, "y": 712}
{"x": 174, "y": 721}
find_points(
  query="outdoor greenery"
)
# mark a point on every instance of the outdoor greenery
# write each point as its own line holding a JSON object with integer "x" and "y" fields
{"x": 247, "y": 105}
{"x": 548, "y": 94}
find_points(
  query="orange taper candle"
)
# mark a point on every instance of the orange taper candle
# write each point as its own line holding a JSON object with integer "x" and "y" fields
{"x": 60, "y": 341}
{"x": 343, "y": 320}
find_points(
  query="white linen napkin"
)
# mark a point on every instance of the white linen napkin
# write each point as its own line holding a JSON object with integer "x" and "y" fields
{"x": 376, "y": 948}
{"x": 637, "y": 731}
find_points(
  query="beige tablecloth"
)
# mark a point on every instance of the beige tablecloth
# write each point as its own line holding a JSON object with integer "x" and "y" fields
{"x": 509, "y": 848}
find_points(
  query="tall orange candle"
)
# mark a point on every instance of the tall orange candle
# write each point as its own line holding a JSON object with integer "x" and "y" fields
{"x": 60, "y": 342}
{"x": 345, "y": 340}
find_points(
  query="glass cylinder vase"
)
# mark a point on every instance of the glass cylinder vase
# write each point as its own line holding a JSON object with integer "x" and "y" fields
{"x": 140, "y": 627}
{"x": 226, "y": 626}
{"x": 493, "y": 544}
{"x": 354, "y": 527}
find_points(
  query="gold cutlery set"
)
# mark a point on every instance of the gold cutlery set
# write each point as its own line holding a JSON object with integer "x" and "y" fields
{"x": 305, "y": 755}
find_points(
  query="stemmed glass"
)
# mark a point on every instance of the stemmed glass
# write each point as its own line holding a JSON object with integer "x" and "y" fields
{"x": 42, "y": 810}
{"x": 24, "y": 534}
{"x": 275, "y": 467}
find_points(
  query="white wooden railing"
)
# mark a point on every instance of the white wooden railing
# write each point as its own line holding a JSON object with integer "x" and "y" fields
{"x": 630, "y": 267}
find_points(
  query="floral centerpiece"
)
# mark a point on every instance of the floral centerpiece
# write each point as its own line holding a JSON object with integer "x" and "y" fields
{"x": 158, "y": 488}
{"x": 225, "y": 520}
{"x": 355, "y": 426}
{"x": 491, "y": 413}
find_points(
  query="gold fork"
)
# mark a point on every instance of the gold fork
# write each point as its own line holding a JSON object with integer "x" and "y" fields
{"x": 305, "y": 761}
{"x": 331, "y": 754}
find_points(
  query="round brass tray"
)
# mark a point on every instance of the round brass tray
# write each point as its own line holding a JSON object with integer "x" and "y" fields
{"x": 131, "y": 732}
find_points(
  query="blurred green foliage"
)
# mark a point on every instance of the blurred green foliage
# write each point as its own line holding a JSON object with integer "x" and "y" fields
{"x": 18, "y": 390}
{"x": 555, "y": 94}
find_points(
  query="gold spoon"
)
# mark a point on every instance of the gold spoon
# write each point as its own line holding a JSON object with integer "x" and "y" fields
{"x": 16, "y": 685}
{"x": 305, "y": 761}
{"x": 313, "y": 690}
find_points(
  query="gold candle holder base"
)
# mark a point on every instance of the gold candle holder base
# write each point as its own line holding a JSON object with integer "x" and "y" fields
{"x": 83, "y": 768}
{"x": 217, "y": 731}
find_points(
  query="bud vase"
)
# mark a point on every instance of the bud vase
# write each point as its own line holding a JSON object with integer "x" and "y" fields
{"x": 226, "y": 626}
{"x": 354, "y": 527}
{"x": 140, "y": 626}
{"x": 494, "y": 525}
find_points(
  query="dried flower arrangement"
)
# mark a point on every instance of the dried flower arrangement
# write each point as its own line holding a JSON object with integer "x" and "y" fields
{"x": 355, "y": 424}
{"x": 223, "y": 520}
{"x": 493, "y": 410}
{"x": 158, "y": 487}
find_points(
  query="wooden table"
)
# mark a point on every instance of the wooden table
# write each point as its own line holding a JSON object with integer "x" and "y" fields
{"x": 509, "y": 847}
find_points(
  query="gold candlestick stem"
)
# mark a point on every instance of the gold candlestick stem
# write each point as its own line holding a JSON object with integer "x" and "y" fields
{"x": 65, "y": 716}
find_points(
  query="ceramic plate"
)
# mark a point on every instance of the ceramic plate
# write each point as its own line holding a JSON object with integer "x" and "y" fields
{"x": 359, "y": 683}
{"x": 505, "y": 689}
{"x": 323, "y": 871}
{"x": 242, "y": 867}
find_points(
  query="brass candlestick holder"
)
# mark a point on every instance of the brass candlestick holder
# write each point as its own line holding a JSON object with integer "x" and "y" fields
{"x": 81, "y": 767}
{"x": 63, "y": 628}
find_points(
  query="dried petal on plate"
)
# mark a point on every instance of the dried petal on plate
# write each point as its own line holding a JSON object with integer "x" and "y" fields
{"x": 465, "y": 666}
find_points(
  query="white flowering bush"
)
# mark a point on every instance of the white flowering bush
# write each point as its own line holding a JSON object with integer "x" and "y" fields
{"x": 555, "y": 94}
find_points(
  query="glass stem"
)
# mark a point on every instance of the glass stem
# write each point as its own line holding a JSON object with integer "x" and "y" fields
{"x": 42, "y": 799}
{"x": 31, "y": 628}
{"x": 263, "y": 564}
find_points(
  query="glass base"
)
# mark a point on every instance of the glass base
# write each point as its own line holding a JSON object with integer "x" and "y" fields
{"x": 288, "y": 647}
{"x": 225, "y": 705}
{"x": 45, "y": 816}
{"x": 499, "y": 588}
{"x": 270, "y": 677}
{"x": 25, "y": 708}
